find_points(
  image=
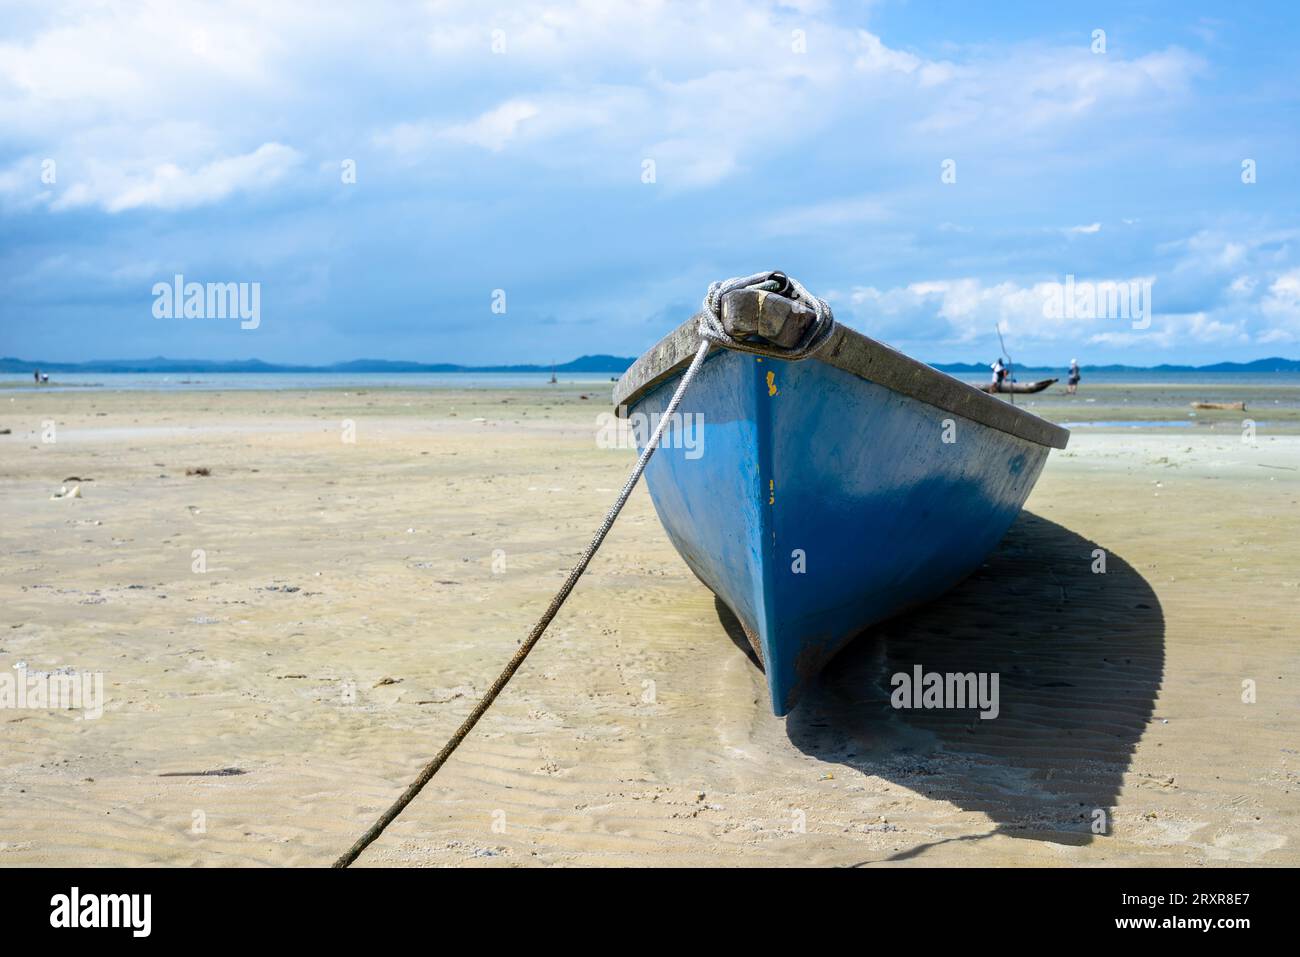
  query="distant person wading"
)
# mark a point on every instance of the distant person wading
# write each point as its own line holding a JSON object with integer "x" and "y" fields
{"x": 1072, "y": 383}
{"x": 1000, "y": 373}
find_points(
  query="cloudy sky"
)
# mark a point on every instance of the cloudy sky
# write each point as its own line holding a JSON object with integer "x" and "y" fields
{"x": 602, "y": 162}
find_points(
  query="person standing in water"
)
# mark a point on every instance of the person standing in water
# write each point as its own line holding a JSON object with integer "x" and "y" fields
{"x": 1072, "y": 383}
{"x": 999, "y": 374}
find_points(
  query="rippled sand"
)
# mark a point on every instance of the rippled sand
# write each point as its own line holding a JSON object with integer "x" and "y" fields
{"x": 350, "y": 612}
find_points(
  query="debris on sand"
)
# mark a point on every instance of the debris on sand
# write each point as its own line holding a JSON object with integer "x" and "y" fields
{"x": 65, "y": 492}
{"x": 215, "y": 773}
{"x": 202, "y": 470}
{"x": 443, "y": 695}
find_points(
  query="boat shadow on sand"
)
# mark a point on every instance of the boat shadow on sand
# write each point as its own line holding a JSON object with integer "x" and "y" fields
{"x": 1079, "y": 655}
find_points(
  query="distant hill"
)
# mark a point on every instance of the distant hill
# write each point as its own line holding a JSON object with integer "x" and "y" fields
{"x": 591, "y": 364}
{"x": 1275, "y": 364}
{"x": 159, "y": 364}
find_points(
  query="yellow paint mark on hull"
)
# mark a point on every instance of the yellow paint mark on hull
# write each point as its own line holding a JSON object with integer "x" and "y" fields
{"x": 771, "y": 383}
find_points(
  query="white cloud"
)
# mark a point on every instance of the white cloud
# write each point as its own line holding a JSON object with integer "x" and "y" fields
{"x": 960, "y": 312}
{"x": 1036, "y": 88}
{"x": 1213, "y": 251}
{"x": 705, "y": 90}
{"x": 1284, "y": 293}
{"x": 953, "y": 311}
{"x": 968, "y": 310}
{"x": 514, "y": 121}
{"x": 1282, "y": 306}
{"x": 737, "y": 88}
{"x": 496, "y": 127}
{"x": 874, "y": 57}
{"x": 168, "y": 186}
{"x": 1246, "y": 277}
{"x": 685, "y": 163}
{"x": 134, "y": 57}
{"x": 1176, "y": 330}
{"x": 1243, "y": 285}
{"x": 709, "y": 92}
{"x": 21, "y": 187}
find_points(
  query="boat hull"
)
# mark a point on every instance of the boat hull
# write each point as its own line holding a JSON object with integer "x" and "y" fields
{"x": 815, "y": 503}
{"x": 1018, "y": 388}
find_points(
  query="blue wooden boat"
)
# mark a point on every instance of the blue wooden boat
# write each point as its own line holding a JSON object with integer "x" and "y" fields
{"x": 830, "y": 493}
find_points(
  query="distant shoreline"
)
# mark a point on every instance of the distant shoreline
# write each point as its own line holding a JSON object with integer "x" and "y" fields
{"x": 597, "y": 364}
{"x": 1139, "y": 384}
{"x": 612, "y": 365}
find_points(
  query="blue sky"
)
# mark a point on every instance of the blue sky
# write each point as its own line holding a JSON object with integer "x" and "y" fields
{"x": 505, "y": 147}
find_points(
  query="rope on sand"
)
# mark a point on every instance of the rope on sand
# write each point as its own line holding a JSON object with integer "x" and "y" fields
{"x": 711, "y": 331}
{"x": 539, "y": 629}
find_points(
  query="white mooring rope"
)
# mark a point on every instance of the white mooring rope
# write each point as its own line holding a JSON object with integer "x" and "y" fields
{"x": 710, "y": 323}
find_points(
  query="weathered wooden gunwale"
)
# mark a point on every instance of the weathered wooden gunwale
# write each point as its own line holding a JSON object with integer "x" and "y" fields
{"x": 868, "y": 359}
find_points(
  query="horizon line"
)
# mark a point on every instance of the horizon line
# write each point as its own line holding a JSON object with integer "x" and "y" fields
{"x": 593, "y": 362}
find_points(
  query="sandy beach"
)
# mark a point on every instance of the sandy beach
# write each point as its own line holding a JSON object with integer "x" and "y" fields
{"x": 286, "y": 640}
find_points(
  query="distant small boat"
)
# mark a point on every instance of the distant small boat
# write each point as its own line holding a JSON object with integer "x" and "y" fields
{"x": 821, "y": 496}
{"x": 1018, "y": 388}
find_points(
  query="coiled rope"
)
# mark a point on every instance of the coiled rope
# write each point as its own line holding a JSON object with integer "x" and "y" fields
{"x": 710, "y": 322}
{"x": 711, "y": 331}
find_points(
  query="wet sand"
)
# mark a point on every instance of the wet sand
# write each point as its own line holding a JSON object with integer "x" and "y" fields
{"x": 359, "y": 595}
